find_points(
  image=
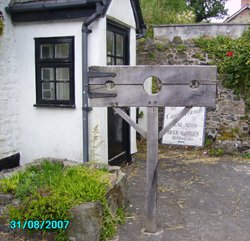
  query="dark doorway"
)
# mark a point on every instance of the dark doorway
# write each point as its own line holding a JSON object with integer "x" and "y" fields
{"x": 118, "y": 129}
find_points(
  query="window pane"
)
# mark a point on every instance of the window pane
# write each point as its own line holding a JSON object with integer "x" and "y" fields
{"x": 119, "y": 61}
{"x": 47, "y": 74}
{"x": 110, "y": 43}
{"x": 48, "y": 91}
{"x": 62, "y": 74}
{"x": 119, "y": 45}
{"x": 46, "y": 51}
{"x": 62, "y": 51}
{"x": 62, "y": 91}
{"x": 110, "y": 61}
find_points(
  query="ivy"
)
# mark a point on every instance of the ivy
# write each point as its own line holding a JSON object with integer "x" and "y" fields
{"x": 232, "y": 57}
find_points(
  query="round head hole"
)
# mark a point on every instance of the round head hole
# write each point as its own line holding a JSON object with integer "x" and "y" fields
{"x": 152, "y": 85}
{"x": 194, "y": 84}
{"x": 110, "y": 85}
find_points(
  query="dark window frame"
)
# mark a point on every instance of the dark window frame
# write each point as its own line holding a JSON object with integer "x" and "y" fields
{"x": 125, "y": 31}
{"x": 55, "y": 63}
{"x": 116, "y": 28}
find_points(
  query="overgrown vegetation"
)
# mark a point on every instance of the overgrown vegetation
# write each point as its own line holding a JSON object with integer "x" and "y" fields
{"x": 232, "y": 56}
{"x": 49, "y": 190}
{"x": 165, "y": 12}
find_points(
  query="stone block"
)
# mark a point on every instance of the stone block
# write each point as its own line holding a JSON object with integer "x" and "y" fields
{"x": 86, "y": 222}
{"x": 5, "y": 198}
{"x": 117, "y": 196}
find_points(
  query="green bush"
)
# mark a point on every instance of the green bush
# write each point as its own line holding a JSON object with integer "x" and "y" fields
{"x": 49, "y": 190}
{"x": 232, "y": 56}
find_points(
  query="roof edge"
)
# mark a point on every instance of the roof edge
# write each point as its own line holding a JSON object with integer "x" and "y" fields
{"x": 47, "y": 6}
{"x": 237, "y": 13}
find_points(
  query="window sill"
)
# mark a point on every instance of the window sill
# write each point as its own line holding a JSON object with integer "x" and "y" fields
{"x": 55, "y": 106}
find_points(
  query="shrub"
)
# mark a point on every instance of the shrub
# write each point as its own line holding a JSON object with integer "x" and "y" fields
{"x": 232, "y": 56}
{"x": 49, "y": 190}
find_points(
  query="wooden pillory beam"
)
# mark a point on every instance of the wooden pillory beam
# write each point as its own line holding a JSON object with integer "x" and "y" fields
{"x": 120, "y": 86}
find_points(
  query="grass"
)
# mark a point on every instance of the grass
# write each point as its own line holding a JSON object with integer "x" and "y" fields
{"x": 49, "y": 190}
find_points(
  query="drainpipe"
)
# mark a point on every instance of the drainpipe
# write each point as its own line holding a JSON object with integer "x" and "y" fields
{"x": 85, "y": 81}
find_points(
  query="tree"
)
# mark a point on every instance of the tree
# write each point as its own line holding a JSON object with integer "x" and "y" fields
{"x": 205, "y": 9}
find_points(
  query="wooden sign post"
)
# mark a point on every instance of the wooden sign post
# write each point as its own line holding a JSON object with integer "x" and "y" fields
{"x": 119, "y": 86}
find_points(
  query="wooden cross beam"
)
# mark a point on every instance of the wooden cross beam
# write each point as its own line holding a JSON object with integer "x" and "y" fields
{"x": 123, "y": 86}
{"x": 118, "y": 86}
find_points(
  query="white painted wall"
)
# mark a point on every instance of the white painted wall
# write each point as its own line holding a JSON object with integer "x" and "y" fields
{"x": 121, "y": 10}
{"x": 57, "y": 132}
{"x": 47, "y": 132}
{"x": 9, "y": 141}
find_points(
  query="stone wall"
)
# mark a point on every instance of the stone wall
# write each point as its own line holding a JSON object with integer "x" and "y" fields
{"x": 190, "y": 31}
{"x": 227, "y": 122}
{"x": 8, "y": 90}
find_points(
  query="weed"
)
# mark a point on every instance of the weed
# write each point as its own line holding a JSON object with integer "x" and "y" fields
{"x": 181, "y": 48}
{"x": 120, "y": 214}
{"x": 208, "y": 142}
{"x": 199, "y": 56}
{"x": 216, "y": 152}
{"x": 140, "y": 114}
{"x": 246, "y": 155}
{"x": 160, "y": 46}
{"x": 152, "y": 55}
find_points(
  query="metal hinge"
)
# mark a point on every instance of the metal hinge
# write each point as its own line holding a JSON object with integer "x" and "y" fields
{"x": 101, "y": 95}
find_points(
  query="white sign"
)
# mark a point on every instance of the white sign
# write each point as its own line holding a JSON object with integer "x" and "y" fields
{"x": 189, "y": 131}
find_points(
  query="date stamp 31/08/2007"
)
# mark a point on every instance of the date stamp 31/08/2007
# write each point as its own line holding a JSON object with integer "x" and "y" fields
{"x": 36, "y": 224}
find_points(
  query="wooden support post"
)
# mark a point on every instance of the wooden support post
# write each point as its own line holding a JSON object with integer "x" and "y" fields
{"x": 152, "y": 163}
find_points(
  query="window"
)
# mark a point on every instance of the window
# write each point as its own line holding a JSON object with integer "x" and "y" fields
{"x": 55, "y": 72}
{"x": 117, "y": 45}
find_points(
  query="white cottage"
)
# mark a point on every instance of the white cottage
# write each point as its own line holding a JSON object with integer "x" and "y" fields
{"x": 45, "y": 50}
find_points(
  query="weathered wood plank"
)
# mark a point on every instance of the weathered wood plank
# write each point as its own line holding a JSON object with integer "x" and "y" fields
{"x": 169, "y": 95}
{"x": 168, "y": 74}
{"x": 174, "y": 121}
{"x": 152, "y": 164}
{"x": 131, "y": 122}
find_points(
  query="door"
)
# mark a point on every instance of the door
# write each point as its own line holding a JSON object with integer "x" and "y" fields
{"x": 118, "y": 129}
